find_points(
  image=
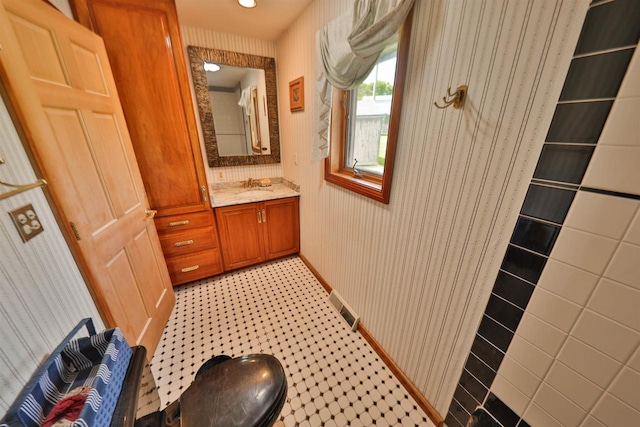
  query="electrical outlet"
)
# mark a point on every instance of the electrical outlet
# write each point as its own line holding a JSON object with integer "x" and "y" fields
{"x": 27, "y": 222}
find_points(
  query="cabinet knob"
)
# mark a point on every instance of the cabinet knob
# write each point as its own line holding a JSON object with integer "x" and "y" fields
{"x": 259, "y": 217}
{"x": 264, "y": 215}
{"x": 150, "y": 213}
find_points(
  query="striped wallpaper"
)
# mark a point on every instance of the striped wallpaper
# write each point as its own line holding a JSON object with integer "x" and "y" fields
{"x": 42, "y": 295}
{"x": 419, "y": 271}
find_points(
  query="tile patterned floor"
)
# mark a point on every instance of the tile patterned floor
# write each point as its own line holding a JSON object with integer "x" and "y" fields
{"x": 334, "y": 376}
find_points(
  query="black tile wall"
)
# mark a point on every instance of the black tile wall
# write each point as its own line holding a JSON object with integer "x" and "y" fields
{"x": 535, "y": 235}
{"x": 603, "y": 52}
{"x": 501, "y": 412}
{"x": 513, "y": 289}
{"x": 596, "y": 77}
{"x": 580, "y": 122}
{"x": 473, "y": 386}
{"x": 465, "y": 399}
{"x": 548, "y": 203}
{"x": 478, "y": 369}
{"x": 522, "y": 263}
{"x": 458, "y": 412}
{"x": 495, "y": 333}
{"x": 481, "y": 418}
{"x": 609, "y": 26}
{"x": 563, "y": 163}
{"x": 450, "y": 421}
{"x": 486, "y": 352}
{"x": 504, "y": 312}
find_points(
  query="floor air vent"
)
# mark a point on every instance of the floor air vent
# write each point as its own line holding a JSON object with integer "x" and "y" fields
{"x": 345, "y": 311}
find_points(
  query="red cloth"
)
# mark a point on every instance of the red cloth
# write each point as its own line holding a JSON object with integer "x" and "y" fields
{"x": 68, "y": 408}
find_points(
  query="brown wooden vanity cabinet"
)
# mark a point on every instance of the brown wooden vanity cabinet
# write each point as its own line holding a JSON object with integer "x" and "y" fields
{"x": 255, "y": 232}
{"x": 143, "y": 42}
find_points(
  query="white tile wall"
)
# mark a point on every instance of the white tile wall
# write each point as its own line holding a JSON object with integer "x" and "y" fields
{"x": 613, "y": 412}
{"x": 606, "y": 335}
{"x": 626, "y": 387}
{"x": 511, "y": 395}
{"x": 630, "y": 86}
{"x": 614, "y": 168}
{"x": 592, "y": 422}
{"x": 622, "y": 127}
{"x": 583, "y": 250}
{"x": 558, "y": 406}
{"x": 588, "y": 210}
{"x": 615, "y": 162}
{"x": 541, "y": 334}
{"x": 618, "y": 302}
{"x": 536, "y": 416}
{"x": 555, "y": 310}
{"x": 573, "y": 385}
{"x": 624, "y": 266}
{"x": 567, "y": 281}
{"x": 529, "y": 356}
{"x": 634, "y": 363}
{"x": 633, "y": 234}
{"x": 589, "y": 362}
{"x": 522, "y": 378}
{"x": 590, "y": 289}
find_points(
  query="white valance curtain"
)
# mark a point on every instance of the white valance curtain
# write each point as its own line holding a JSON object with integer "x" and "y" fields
{"x": 347, "y": 50}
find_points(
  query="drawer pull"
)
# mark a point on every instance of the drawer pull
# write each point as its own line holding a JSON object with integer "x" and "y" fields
{"x": 177, "y": 223}
{"x": 192, "y": 268}
{"x": 264, "y": 215}
{"x": 259, "y": 217}
{"x": 185, "y": 243}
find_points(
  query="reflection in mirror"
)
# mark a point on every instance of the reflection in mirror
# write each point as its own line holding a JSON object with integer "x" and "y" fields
{"x": 237, "y": 105}
{"x": 237, "y": 95}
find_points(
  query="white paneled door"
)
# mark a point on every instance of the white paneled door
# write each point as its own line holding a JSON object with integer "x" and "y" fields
{"x": 56, "y": 76}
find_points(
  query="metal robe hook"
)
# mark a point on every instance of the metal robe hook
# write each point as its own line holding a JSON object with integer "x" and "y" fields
{"x": 457, "y": 98}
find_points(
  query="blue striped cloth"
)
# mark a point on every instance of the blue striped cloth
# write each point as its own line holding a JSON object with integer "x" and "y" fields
{"x": 99, "y": 361}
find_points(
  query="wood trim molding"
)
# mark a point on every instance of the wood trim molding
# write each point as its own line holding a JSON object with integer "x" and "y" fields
{"x": 422, "y": 401}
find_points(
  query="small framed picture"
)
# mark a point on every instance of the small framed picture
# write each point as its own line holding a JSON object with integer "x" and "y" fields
{"x": 296, "y": 94}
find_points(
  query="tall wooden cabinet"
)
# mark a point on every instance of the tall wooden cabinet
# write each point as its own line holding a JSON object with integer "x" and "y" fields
{"x": 143, "y": 42}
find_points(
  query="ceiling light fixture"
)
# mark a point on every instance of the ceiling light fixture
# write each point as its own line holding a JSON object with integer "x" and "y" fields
{"x": 247, "y": 3}
{"x": 210, "y": 66}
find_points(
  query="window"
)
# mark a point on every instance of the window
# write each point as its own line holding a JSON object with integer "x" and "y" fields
{"x": 364, "y": 125}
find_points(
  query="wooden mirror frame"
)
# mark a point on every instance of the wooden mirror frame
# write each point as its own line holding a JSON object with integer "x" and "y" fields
{"x": 197, "y": 58}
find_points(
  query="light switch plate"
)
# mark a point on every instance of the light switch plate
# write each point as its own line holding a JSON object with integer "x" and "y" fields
{"x": 27, "y": 222}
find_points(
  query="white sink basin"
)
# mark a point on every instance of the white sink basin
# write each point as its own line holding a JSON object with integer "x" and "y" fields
{"x": 253, "y": 193}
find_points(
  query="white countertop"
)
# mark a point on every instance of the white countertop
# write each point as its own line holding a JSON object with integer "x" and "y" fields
{"x": 234, "y": 194}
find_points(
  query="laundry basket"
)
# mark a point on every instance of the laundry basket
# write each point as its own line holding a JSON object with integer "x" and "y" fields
{"x": 99, "y": 361}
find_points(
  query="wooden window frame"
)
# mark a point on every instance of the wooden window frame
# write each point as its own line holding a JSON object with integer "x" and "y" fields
{"x": 335, "y": 171}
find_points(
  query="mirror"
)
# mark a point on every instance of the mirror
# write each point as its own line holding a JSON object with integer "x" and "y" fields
{"x": 238, "y": 107}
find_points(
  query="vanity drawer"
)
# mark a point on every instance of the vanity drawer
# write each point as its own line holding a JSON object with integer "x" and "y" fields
{"x": 186, "y": 242}
{"x": 168, "y": 224}
{"x": 187, "y": 268}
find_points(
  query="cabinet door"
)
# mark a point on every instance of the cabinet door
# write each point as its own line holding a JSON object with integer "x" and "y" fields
{"x": 241, "y": 235}
{"x": 281, "y": 227}
{"x": 143, "y": 42}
